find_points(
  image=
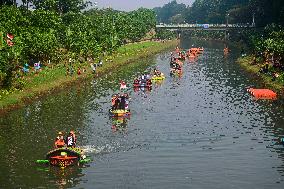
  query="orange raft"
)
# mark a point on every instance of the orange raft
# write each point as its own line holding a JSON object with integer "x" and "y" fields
{"x": 262, "y": 93}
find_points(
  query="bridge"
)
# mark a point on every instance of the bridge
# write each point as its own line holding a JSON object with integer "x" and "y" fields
{"x": 214, "y": 27}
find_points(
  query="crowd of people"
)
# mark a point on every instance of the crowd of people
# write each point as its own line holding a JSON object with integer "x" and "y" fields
{"x": 71, "y": 69}
{"x": 175, "y": 63}
{"x": 145, "y": 80}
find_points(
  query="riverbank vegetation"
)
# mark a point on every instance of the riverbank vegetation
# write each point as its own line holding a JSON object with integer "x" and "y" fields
{"x": 58, "y": 37}
{"x": 220, "y": 11}
{"x": 56, "y": 31}
{"x": 265, "y": 56}
{"x": 61, "y": 75}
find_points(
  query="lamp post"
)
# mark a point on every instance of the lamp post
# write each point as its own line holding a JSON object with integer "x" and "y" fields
{"x": 253, "y": 21}
{"x": 227, "y": 16}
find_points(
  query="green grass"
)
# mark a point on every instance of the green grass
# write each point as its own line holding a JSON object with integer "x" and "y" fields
{"x": 265, "y": 79}
{"x": 49, "y": 79}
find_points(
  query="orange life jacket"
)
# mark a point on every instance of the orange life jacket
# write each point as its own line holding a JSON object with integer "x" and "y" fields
{"x": 59, "y": 143}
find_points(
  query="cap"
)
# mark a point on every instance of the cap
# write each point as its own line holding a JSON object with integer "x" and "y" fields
{"x": 60, "y": 133}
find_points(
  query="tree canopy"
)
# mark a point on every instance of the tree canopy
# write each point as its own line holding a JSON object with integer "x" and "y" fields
{"x": 217, "y": 11}
{"x": 57, "y": 28}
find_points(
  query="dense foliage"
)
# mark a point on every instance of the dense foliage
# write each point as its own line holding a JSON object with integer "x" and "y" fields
{"x": 171, "y": 13}
{"x": 58, "y": 29}
{"x": 218, "y": 11}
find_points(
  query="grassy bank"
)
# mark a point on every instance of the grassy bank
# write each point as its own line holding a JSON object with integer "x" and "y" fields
{"x": 265, "y": 79}
{"x": 51, "y": 79}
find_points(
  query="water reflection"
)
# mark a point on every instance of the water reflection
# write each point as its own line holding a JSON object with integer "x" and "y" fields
{"x": 119, "y": 124}
{"x": 201, "y": 125}
{"x": 62, "y": 178}
{"x": 142, "y": 90}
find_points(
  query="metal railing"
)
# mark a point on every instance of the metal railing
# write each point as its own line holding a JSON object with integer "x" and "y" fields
{"x": 205, "y": 26}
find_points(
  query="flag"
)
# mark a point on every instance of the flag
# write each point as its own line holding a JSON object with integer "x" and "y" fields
{"x": 9, "y": 43}
{"x": 1, "y": 40}
{"x": 10, "y": 36}
{"x": 9, "y": 39}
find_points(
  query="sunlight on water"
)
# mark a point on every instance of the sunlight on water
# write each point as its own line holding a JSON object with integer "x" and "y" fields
{"x": 199, "y": 130}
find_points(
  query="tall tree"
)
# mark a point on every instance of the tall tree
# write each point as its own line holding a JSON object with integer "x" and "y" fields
{"x": 61, "y": 6}
{"x": 8, "y": 2}
{"x": 170, "y": 11}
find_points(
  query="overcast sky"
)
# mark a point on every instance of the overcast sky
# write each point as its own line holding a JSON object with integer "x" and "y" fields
{"x": 135, "y": 4}
{"x": 128, "y": 5}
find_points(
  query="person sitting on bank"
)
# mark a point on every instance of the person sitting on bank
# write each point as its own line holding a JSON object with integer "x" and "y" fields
{"x": 79, "y": 71}
{"x": 70, "y": 141}
{"x": 37, "y": 67}
{"x": 26, "y": 68}
{"x": 93, "y": 67}
{"x": 59, "y": 141}
{"x": 101, "y": 63}
{"x": 264, "y": 68}
{"x": 275, "y": 75}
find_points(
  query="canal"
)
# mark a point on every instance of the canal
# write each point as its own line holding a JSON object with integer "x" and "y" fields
{"x": 200, "y": 130}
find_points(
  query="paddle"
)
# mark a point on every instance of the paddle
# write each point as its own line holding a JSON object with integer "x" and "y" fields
{"x": 42, "y": 161}
{"x": 45, "y": 161}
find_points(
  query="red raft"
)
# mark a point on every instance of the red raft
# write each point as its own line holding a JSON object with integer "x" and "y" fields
{"x": 64, "y": 157}
{"x": 262, "y": 93}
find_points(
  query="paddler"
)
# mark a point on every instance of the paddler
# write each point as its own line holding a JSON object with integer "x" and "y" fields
{"x": 177, "y": 49}
{"x": 113, "y": 99}
{"x": 226, "y": 50}
{"x": 70, "y": 140}
{"x": 122, "y": 102}
{"x": 59, "y": 141}
{"x": 136, "y": 82}
{"x": 116, "y": 103}
{"x": 143, "y": 78}
{"x": 126, "y": 100}
{"x": 148, "y": 82}
{"x": 172, "y": 57}
{"x": 158, "y": 73}
{"x": 123, "y": 85}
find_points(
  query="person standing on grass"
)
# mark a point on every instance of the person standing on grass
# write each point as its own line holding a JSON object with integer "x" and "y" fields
{"x": 93, "y": 67}
{"x": 100, "y": 63}
{"x": 79, "y": 71}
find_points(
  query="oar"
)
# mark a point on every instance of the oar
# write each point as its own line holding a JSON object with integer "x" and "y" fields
{"x": 45, "y": 161}
{"x": 42, "y": 161}
{"x": 87, "y": 160}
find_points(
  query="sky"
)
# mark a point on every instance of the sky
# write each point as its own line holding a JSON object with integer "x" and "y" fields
{"x": 128, "y": 5}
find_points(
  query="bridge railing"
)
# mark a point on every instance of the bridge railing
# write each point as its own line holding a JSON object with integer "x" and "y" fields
{"x": 240, "y": 25}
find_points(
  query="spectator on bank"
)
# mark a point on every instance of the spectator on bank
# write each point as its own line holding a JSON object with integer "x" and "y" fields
{"x": 100, "y": 63}
{"x": 79, "y": 71}
{"x": 37, "y": 67}
{"x": 275, "y": 75}
{"x": 93, "y": 67}
{"x": 26, "y": 68}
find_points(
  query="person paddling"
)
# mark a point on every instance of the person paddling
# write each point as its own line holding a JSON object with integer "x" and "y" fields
{"x": 70, "y": 141}
{"x": 59, "y": 141}
{"x": 122, "y": 102}
{"x": 123, "y": 85}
